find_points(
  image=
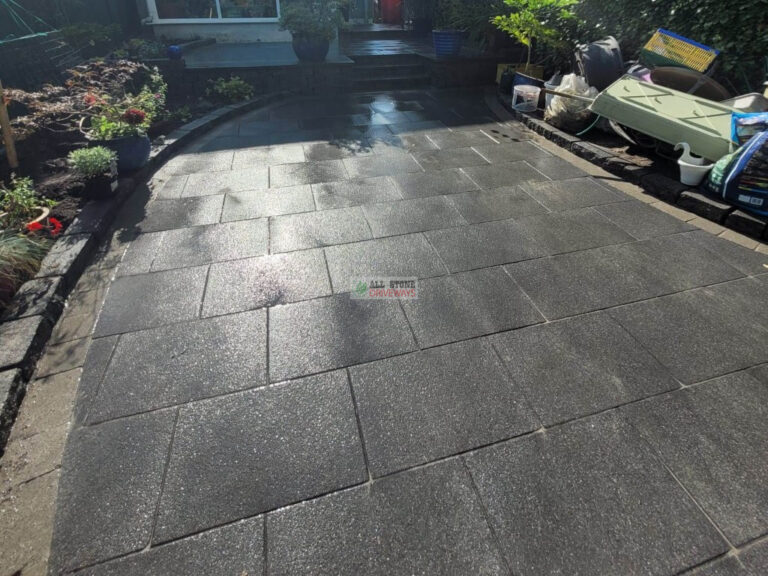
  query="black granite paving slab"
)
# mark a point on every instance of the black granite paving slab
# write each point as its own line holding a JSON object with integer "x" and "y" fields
{"x": 264, "y": 203}
{"x": 355, "y": 192}
{"x": 499, "y": 204}
{"x": 511, "y": 152}
{"x": 755, "y": 559}
{"x": 482, "y": 245}
{"x": 408, "y": 216}
{"x": 643, "y": 221}
{"x": 446, "y": 159}
{"x": 247, "y": 178}
{"x": 184, "y": 362}
{"x": 234, "y": 549}
{"x": 614, "y": 275}
{"x": 317, "y": 229}
{"x": 573, "y": 193}
{"x": 507, "y": 174}
{"x": 409, "y": 256}
{"x": 112, "y": 475}
{"x": 284, "y": 175}
{"x": 149, "y": 300}
{"x": 556, "y": 168}
{"x": 428, "y": 405}
{"x": 467, "y": 305}
{"x": 703, "y": 333}
{"x": 580, "y": 366}
{"x": 334, "y": 332}
{"x": 588, "y": 498}
{"x": 240, "y": 455}
{"x": 445, "y": 139}
{"x": 713, "y": 438}
{"x": 170, "y": 214}
{"x": 380, "y": 165}
{"x": 200, "y": 245}
{"x": 264, "y": 156}
{"x": 426, "y": 521}
{"x": 420, "y": 184}
{"x": 260, "y": 282}
{"x": 747, "y": 261}
{"x": 561, "y": 232}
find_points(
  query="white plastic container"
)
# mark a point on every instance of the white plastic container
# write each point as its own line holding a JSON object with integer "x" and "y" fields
{"x": 693, "y": 169}
{"x": 525, "y": 98}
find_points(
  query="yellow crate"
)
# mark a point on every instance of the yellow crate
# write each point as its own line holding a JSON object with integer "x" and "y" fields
{"x": 666, "y": 48}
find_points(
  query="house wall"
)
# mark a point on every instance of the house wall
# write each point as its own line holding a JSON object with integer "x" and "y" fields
{"x": 224, "y": 32}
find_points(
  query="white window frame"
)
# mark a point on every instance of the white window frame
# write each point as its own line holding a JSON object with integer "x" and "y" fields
{"x": 153, "y": 14}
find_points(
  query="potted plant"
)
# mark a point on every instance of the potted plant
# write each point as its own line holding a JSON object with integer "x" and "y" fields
{"x": 313, "y": 24}
{"x": 531, "y": 21}
{"x": 421, "y": 14}
{"x": 97, "y": 167}
{"x": 447, "y": 38}
{"x": 123, "y": 131}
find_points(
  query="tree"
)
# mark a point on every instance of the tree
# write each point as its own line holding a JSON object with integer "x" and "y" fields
{"x": 534, "y": 20}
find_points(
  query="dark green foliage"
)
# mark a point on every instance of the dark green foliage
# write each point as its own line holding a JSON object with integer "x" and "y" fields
{"x": 316, "y": 18}
{"x": 738, "y": 29}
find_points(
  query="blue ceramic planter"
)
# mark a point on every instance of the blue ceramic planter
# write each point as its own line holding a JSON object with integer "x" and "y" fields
{"x": 447, "y": 43}
{"x": 132, "y": 151}
{"x": 310, "y": 48}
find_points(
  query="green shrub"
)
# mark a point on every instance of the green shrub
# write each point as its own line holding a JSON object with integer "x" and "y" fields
{"x": 230, "y": 91}
{"x": 20, "y": 258}
{"x": 91, "y": 38}
{"x": 92, "y": 162}
{"x": 317, "y": 18}
{"x": 20, "y": 202}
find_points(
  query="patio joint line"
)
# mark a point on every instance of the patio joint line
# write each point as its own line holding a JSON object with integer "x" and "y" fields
{"x": 167, "y": 465}
{"x": 359, "y": 425}
{"x": 486, "y": 516}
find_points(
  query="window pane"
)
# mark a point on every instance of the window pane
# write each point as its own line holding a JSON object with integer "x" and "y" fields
{"x": 173, "y": 9}
{"x": 249, "y": 8}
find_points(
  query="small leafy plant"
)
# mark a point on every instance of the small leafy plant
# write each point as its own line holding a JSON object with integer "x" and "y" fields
{"x": 230, "y": 91}
{"x": 92, "y": 162}
{"x": 20, "y": 203}
{"x": 313, "y": 18}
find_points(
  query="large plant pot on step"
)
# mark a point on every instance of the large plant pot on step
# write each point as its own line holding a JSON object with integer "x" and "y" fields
{"x": 132, "y": 151}
{"x": 310, "y": 48}
{"x": 447, "y": 43}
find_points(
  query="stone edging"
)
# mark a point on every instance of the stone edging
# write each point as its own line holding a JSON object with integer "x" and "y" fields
{"x": 27, "y": 324}
{"x": 653, "y": 183}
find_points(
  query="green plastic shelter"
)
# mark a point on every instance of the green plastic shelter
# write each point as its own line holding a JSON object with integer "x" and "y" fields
{"x": 668, "y": 115}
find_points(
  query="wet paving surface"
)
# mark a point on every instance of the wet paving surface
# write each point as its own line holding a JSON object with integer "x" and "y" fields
{"x": 580, "y": 386}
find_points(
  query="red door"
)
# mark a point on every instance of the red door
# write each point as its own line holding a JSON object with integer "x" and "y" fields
{"x": 391, "y": 11}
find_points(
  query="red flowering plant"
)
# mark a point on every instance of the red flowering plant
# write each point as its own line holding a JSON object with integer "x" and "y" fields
{"x": 51, "y": 226}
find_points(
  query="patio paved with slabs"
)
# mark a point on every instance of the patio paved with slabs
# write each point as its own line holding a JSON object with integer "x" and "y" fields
{"x": 580, "y": 388}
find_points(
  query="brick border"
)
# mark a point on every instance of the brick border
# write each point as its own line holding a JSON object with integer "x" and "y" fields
{"x": 654, "y": 183}
{"x": 28, "y": 322}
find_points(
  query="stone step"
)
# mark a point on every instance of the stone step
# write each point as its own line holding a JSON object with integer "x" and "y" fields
{"x": 388, "y": 71}
{"x": 391, "y": 83}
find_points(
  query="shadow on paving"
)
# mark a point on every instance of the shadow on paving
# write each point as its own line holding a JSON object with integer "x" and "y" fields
{"x": 579, "y": 388}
